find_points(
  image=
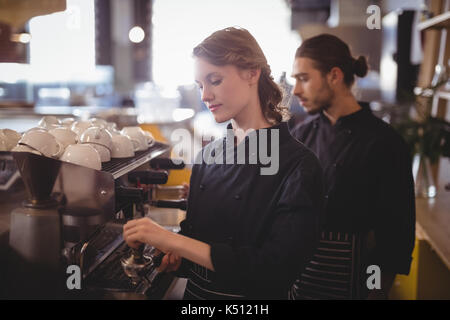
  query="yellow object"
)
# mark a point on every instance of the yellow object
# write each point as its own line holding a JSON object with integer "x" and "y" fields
{"x": 155, "y": 131}
{"x": 429, "y": 277}
{"x": 405, "y": 287}
{"x": 176, "y": 177}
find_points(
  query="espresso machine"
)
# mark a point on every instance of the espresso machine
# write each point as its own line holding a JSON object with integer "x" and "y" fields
{"x": 75, "y": 215}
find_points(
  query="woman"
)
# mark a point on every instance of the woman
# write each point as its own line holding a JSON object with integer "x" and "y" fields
{"x": 246, "y": 234}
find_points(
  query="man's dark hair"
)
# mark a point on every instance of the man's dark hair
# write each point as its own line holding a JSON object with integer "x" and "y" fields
{"x": 329, "y": 51}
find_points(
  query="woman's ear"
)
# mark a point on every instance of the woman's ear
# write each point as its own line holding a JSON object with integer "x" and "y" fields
{"x": 252, "y": 76}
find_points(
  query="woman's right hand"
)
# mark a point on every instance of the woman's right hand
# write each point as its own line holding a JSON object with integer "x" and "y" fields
{"x": 185, "y": 191}
{"x": 170, "y": 262}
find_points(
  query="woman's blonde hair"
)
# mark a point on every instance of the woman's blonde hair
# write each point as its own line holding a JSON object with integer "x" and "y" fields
{"x": 236, "y": 46}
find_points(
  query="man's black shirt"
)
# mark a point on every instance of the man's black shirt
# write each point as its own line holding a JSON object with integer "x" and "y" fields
{"x": 368, "y": 183}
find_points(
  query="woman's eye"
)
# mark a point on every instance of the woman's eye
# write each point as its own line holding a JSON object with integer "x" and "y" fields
{"x": 217, "y": 82}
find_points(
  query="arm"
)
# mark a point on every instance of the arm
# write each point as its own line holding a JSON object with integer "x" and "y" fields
{"x": 175, "y": 246}
{"x": 394, "y": 207}
{"x": 147, "y": 231}
{"x": 288, "y": 238}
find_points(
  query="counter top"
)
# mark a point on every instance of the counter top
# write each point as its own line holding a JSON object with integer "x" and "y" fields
{"x": 433, "y": 219}
{"x": 166, "y": 217}
{"x": 433, "y": 216}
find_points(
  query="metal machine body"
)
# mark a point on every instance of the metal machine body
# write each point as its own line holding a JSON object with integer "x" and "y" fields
{"x": 71, "y": 217}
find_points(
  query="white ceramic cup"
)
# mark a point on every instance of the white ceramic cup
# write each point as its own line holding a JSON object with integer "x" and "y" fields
{"x": 42, "y": 141}
{"x": 114, "y": 132}
{"x": 150, "y": 138}
{"x": 67, "y": 122}
{"x": 8, "y": 139}
{"x": 138, "y": 135}
{"x": 82, "y": 154}
{"x": 105, "y": 153}
{"x": 21, "y": 148}
{"x": 111, "y": 125}
{"x": 49, "y": 122}
{"x": 97, "y": 135}
{"x": 97, "y": 122}
{"x": 112, "y": 128}
{"x": 36, "y": 129}
{"x": 80, "y": 126}
{"x": 122, "y": 147}
{"x": 64, "y": 135}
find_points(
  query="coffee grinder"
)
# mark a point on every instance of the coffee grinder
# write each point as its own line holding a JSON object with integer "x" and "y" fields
{"x": 35, "y": 230}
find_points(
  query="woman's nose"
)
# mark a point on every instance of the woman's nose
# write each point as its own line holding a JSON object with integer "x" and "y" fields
{"x": 207, "y": 95}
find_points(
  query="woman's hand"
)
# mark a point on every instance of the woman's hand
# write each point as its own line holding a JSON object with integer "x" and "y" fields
{"x": 145, "y": 230}
{"x": 183, "y": 194}
{"x": 170, "y": 262}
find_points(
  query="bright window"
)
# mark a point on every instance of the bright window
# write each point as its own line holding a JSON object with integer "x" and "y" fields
{"x": 180, "y": 25}
{"x": 63, "y": 43}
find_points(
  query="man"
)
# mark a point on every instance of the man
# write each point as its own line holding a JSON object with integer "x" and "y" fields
{"x": 369, "y": 215}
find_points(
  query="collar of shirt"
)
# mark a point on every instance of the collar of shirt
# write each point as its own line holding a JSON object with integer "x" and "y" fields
{"x": 284, "y": 133}
{"x": 349, "y": 122}
{"x": 252, "y": 147}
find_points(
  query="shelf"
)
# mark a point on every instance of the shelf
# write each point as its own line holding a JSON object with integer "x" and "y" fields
{"x": 428, "y": 93}
{"x": 423, "y": 92}
{"x": 443, "y": 94}
{"x": 437, "y": 22}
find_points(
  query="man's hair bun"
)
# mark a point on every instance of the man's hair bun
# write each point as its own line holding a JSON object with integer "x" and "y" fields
{"x": 360, "y": 66}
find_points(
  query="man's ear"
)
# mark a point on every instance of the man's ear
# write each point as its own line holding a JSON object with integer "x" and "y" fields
{"x": 335, "y": 76}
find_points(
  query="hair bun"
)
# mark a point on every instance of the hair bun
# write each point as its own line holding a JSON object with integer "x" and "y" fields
{"x": 360, "y": 66}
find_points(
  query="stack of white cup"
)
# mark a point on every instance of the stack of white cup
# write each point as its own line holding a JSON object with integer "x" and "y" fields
{"x": 86, "y": 143}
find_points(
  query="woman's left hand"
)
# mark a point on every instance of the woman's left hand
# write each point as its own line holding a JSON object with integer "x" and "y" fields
{"x": 145, "y": 230}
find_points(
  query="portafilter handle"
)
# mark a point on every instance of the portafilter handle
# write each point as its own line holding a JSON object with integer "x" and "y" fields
{"x": 134, "y": 265}
{"x": 148, "y": 177}
{"x": 138, "y": 254}
{"x": 137, "y": 257}
{"x": 167, "y": 164}
{"x": 131, "y": 194}
{"x": 157, "y": 259}
{"x": 176, "y": 204}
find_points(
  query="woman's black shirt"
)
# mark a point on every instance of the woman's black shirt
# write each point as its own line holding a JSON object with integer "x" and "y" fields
{"x": 261, "y": 228}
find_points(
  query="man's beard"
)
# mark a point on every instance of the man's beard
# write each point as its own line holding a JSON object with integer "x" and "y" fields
{"x": 321, "y": 107}
{"x": 324, "y": 103}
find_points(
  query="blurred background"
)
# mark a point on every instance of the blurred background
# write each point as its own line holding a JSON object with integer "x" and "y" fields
{"x": 130, "y": 62}
{"x": 138, "y": 53}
